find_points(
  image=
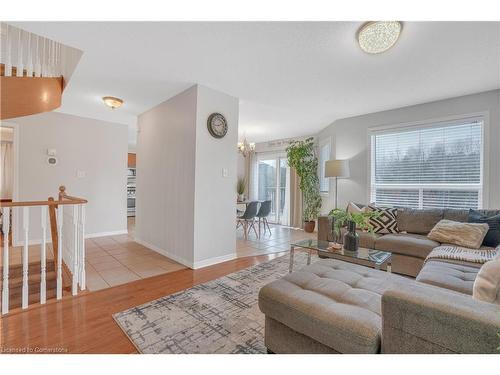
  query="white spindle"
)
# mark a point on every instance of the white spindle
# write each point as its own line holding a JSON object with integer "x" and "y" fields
{"x": 74, "y": 287}
{"x": 38, "y": 65}
{"x": 29, "y": 63}
{"x": 8, "y": 63}
{"x": 26, "y": 219}
{"x": 43, "y": 257}
{"x": 5, "y": 288}
{"x": 81, "y": 235}
{"x": 59, "y": 250}
{"x": 20, "y": 65}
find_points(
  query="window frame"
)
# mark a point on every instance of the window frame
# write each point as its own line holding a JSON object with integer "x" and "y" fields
{"x": 321, "y": 168}
{"x": 483, "y": 191}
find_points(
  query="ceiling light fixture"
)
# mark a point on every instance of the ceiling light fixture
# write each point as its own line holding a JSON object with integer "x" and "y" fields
{"x": 246, "y": 148}
{"x": 112, "y": 102}
{"x": 379, "y": 36}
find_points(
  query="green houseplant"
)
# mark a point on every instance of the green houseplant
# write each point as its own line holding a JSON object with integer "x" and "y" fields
{"x": 240, "y": 188}
{"x": 302, "y": 157}
{"x": 341, "y": 217}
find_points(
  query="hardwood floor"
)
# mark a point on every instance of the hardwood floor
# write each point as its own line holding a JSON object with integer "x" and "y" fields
{"x": 85, "y": 325}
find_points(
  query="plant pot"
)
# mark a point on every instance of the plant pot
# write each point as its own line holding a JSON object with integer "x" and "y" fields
{"x": 351, "y": 238}
{"x": 309, "y": 226}
{"x": 241, "y": 197}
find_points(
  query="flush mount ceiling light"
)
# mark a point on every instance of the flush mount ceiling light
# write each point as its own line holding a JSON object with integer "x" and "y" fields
{"x": 112, "y": 102}
{"x": 379, "y": 36}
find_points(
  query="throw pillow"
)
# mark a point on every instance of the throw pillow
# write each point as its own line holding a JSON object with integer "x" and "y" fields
{"x": 356, "y": 208}
{"x": 469, "y": 235}
{"x": 492, "y": 238}
{"x": 386, "y": 221}
{"x": 487, "y": 283}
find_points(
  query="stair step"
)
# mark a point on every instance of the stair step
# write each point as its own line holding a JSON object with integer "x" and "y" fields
{"x": 33, "y": 279}
{"x": 33, "y": 298}
{"x": 33, "y": 269}
{"x": 16, "y": 289}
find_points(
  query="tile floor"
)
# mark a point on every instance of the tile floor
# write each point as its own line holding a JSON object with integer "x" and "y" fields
{"x": 277, "y": 241}
{"x": 116, "y": 260}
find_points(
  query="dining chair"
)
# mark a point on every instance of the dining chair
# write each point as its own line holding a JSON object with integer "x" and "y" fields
{"x": 247, "y": 220}
{"x": 264, "y": 211}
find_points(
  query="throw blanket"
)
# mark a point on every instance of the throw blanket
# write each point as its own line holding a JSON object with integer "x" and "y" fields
{"x": 463, "y": 254}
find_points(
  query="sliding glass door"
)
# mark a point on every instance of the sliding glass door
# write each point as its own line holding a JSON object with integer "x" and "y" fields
{"x": 272, "y": 177}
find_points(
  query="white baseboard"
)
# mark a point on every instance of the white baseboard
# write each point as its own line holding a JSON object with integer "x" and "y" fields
{"x": 195, "y": 265}
{"x": 214, "y": 260}
{"x": 164, "y": 252}
{"x": 105, "y": 234}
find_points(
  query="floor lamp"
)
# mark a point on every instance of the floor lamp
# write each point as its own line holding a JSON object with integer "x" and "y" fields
{"x": 336, "y": 169}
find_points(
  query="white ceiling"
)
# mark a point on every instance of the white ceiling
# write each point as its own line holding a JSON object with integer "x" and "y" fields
{"x": 292, "y": 78}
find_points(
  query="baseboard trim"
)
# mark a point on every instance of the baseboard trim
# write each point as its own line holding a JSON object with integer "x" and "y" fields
{"x": 105, "y": 234}
{"x": 184, "y": 262}
{"x": 214, "y": 260}
{"x": 164, "y": 252}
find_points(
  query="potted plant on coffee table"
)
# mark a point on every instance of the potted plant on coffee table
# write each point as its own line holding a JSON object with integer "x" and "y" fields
{"x": 302, "y": 157}
{"x": 354, "y": 220}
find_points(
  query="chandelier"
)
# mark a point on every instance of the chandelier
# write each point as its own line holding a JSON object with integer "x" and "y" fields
{"x": 246, "y": 148}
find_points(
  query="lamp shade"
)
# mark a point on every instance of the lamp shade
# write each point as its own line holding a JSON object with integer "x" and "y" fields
{"x": 337, "y": 168}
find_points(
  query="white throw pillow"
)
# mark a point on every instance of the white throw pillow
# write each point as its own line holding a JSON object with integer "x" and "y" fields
{"x": 469, "y": 235}
{"x": 353, "y": 208}
{"x": 487, "y": 284}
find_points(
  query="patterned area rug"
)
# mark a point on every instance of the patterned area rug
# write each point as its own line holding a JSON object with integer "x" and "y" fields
{"x": 220, "y": 316}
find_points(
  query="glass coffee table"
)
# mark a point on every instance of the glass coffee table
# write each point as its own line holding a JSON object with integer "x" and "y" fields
{"x": 364, "y": 256}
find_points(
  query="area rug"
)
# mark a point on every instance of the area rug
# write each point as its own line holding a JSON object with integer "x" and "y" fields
{"x": 220, "y": 316}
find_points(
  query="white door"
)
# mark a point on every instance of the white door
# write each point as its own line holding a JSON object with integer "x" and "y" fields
{"x": 273, "y": 184}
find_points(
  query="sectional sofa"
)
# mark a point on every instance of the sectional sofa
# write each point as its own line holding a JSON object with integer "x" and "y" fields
{"x": 333, "y": 306}
{"x": 411, "y": 246}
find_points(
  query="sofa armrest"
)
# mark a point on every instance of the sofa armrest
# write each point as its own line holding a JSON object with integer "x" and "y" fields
{"x": 420, "y": 318}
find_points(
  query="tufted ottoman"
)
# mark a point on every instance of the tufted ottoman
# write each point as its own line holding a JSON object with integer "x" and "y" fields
{"x": 452, "y": 276}
{"x": 328, "y": 307}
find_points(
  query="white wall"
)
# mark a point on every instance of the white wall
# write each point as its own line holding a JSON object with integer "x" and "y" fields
{"x": 215, "y": 195}
{"x": 97, "y": 148}
{"x": 166, "y": 176}
{"x": 185, "y": 207}
{"x": 350, "y": 141}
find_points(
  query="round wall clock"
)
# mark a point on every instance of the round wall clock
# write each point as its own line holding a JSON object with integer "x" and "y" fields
{"x": 217, "y": 125}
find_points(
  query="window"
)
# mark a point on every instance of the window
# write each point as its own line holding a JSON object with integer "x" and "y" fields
{"x": 324, "y": 155}
{"x": 434, "y": 166}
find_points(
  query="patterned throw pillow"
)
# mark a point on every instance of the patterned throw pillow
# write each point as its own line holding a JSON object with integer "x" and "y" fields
{"x": 386, "y": 221}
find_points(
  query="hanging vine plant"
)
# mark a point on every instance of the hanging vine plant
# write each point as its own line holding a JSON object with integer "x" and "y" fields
{"x": 302, "y": 157}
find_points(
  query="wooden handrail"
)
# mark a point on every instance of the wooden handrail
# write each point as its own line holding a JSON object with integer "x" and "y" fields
{"x": 63, "y": 196}
{"x": 63, "y": 199}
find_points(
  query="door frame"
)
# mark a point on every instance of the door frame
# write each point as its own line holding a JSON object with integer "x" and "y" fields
{"x": 15, "y": 188}
{"x": 277, "y": 156}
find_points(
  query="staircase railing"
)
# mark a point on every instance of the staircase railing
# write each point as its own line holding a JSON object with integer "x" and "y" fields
{"x": 67, "y": 224}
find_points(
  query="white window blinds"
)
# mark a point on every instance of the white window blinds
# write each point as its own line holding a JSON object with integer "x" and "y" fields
{"x": 324, "y": 156}
{"x": 438, "y": 165}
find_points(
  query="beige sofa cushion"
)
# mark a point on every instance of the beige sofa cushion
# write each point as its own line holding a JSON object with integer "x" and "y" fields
{"x": 418, "y": 221}
{"x": 335, "y": 303}
{"x": 462, "y": 234}
{"x": 487, "y": 284}
{"x": 415, "y": 245}
{"x": 452, "y": 276}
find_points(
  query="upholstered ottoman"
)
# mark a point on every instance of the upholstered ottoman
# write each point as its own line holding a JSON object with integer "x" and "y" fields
{"x": 453, "y": 276}
{"x": 328, "y": 307}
